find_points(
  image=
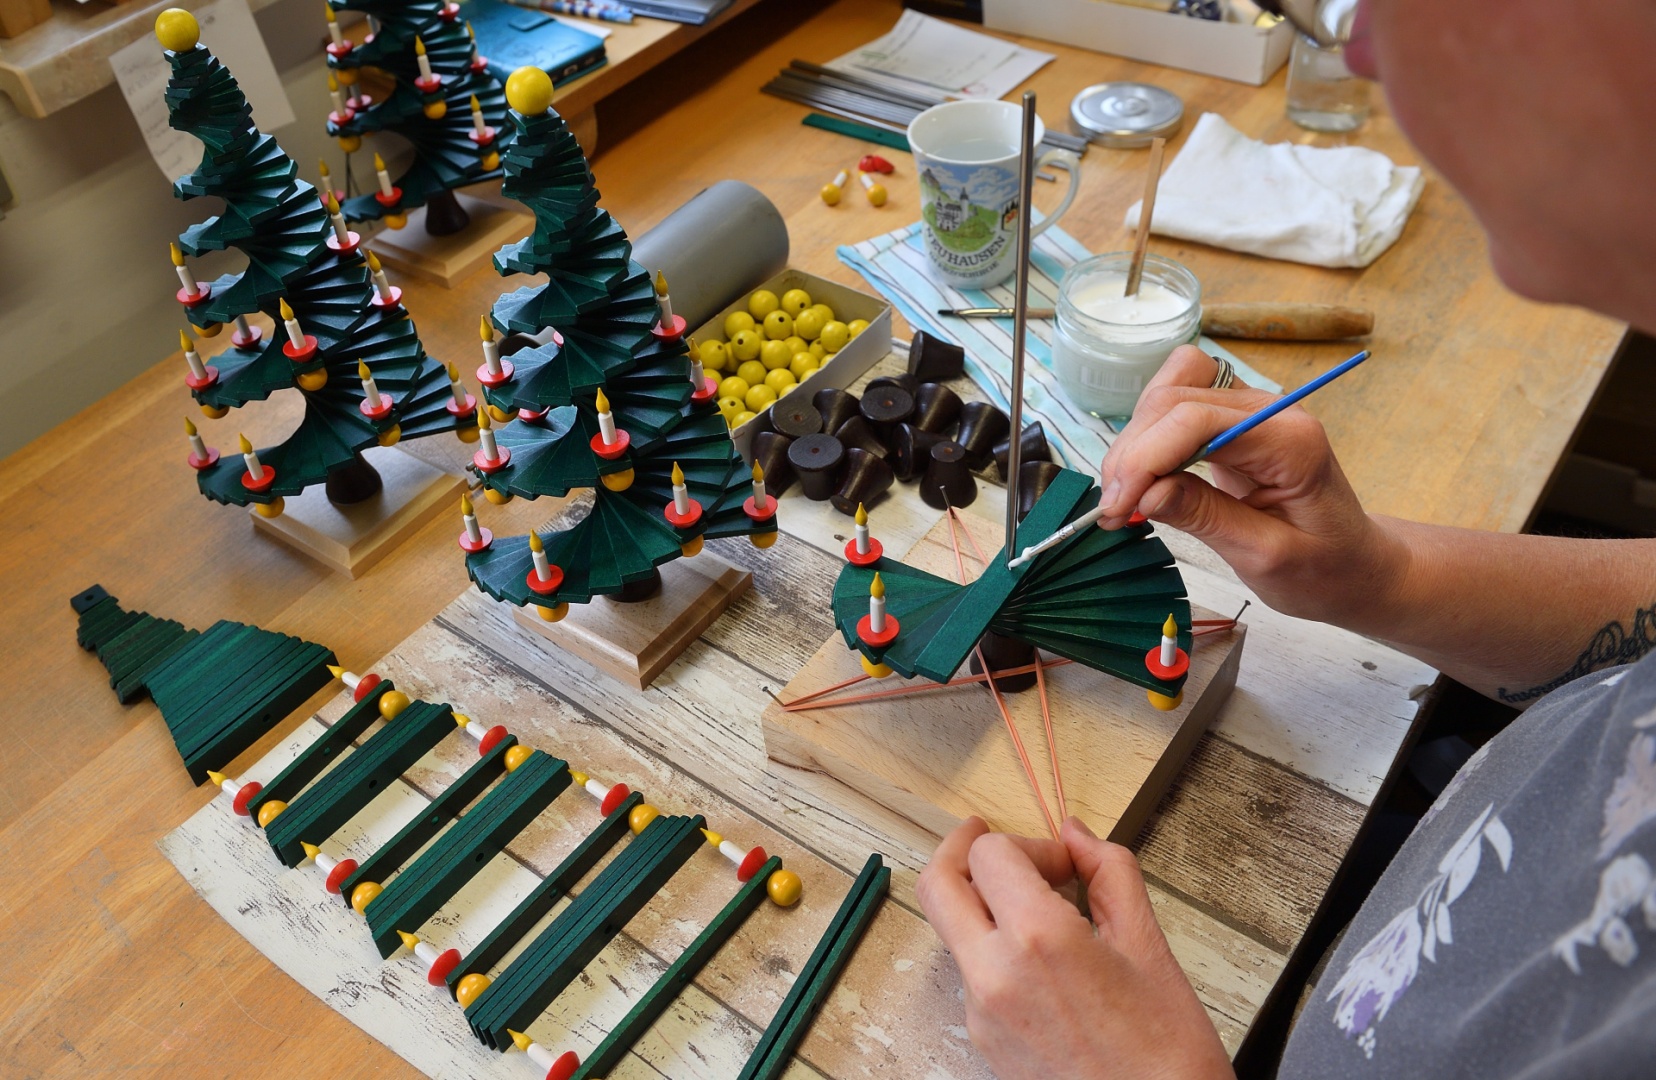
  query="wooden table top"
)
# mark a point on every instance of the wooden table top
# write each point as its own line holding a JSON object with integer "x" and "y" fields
{"x": 111, "y": 961}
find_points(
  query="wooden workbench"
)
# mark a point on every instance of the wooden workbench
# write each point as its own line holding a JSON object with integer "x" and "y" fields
{"x": 112, "y": 962}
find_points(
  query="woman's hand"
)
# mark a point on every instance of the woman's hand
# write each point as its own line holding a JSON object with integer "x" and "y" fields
{"x": 1279, "y": 510}
{"x": 1048, "y": 992}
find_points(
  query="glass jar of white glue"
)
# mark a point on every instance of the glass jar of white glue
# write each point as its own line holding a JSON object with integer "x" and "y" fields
{"x": 1109, "y": 345}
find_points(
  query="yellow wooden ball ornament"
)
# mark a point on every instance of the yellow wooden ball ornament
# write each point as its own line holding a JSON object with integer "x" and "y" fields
{"x": 215, "y": 412}
{"x": 210, "y": 330}
{"x": 436, "y": 110}
{"x": 692, "y": 547}
{"x": 177, "y": 30}
{"x": 784, "y": 888}
{"x": 795, "y": 300}
{"x": 271, "y": 509}
{"x": 552, "y": 613}
{"x": 618, "y": 481}
{"x": 499, "y": 415}
{"x": 364, "y": 894}
{"x": 529, "y": 90}
{"x": 491, "y": 161}
{"x": 516, "y": 756}
{"x": 873, "y": 670}
{"x": 641, "y": 816}
{"x": 499, "y": 498}
{"x": 469, "y": 988}
{"x": 763, "y": 540}
{"x": 1165, "y": 703}
{"x": 396, "y": 221}
{"x": 269, "y": 812}
{"x": 350, "y": 143}
{"x": 312, "y": 380}
{"x": 393, "y": 702}
{"x": 390, "y": 435}
{"x": 346, "y": 76}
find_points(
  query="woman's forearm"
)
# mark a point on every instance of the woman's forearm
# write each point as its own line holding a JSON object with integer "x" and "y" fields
{"x": 1516, "y": 616}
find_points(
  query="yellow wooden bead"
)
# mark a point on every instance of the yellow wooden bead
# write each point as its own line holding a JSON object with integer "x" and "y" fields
{"x": 784, "y": 888}
{"x": 491, "y": 161}
{"x": 751, "y": 372}
{"x": 778, "y": 325}
{"x": 393, "y": 702}
{"x": 364, "y": 894}
{"x": 312, "y": 380}
{"x": 210, "y": 330}
{"x": 762, "y": 303}
{"x": 802, "y": 364}
{"x": 774, "y": 354}
{"x": 795, "y": 300}
{"x": 396, "y": 221}
{"x": 808, "y": 324}
{"x": 764, "y": 539}
{"x": 268, "y": 812}
{"x": 691, "y": 548}
{"x": 215, "y": 412}
{"x": 468, "y": 434}
{"x": 712, "y": 373}
{"x": 818, "y": 351}
{"x": 857, "y": 326}
{"x": 641, "y": 816}
{"x": 745, "y": 344}
{"x": 350, "y": 143}
{"x": 390, "y": 435}
{"x": 618, "y": 481}
{"x": 736, "y": 322}
{"x": 439, "y": 109}
{"x": 736, "y": 387}
{"x": 760, "y": 398}
{"x": 795, "y": 344}
{"x": 780, "y": 380}
{"x": 713, "y": 354}
{"x": 824, "y": 310}
{"x": 874, "y": 671}
{"x": 1165, "y": 703}
{"x": 877, "y": 194}
{"x": 271, "y": 509}
{"x": 742, "y": 417}
{"x": 501, "y": 416}
{"x": 177, "y": 30}
{"x": 499, "y": 498}
{"x": 469, "y": 987}
{"x": 730, "y": 407}
{"x": 831, "y": 194}
{"x": 346, "y": 76}
{"x": 834, "y": 336}
{"x": 552, "y": 613}
{"x": 529, "y": 90}
{"x": 516, "y": 756}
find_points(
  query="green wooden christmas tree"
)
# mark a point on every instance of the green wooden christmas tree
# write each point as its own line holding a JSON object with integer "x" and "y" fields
{"x": 444, "y": 102}
{"x": 611, "y": 402}
{"x": 347, "y": 344}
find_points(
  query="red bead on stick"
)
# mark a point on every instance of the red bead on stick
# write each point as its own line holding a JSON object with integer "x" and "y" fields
{"x": 491, "y": 739}
{"x": 440, "y": 967}
{"x": 365, "y": 686}
{"x": 336, "y": 877}
{"x": 613, "y": 798}
{"x": 564, "y": 1067}
{"x": 751, "y": 863}
{"x": 244, "y": 795}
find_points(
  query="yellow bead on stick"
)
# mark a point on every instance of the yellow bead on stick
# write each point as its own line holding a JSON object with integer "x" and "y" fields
{"x": 467, "y": 989}
{"x": 177, "y": 30}
{"x": 580, "y": 778}
{"x": 641, "y": 816}
{"x": 661, "y": 283}
{"x": 862, "y": 515}
{"x": 483, "y": 419}
{"x": 1170, "y": 628}
{"x": 216, "y": 777}
{"x": 516, "y": 756}
{"x": 784, "y": 888}
{"x": 466, "y": 504}
{"x": 392, "y": 703}
{"x": 268, "y": 812}
{"x": 379, "y": 162}
{"x": 678, "y": 474}
{"x": 487, "y": 330}
{"x": 713, "y": 838}
{"x": 189, "y": 428}
{"x": 419, "y": 46}
{"x": 374, "y": 265}
{"x": 602, "y": 402}
{"x": 364, "y": 894}
{"x": 535, "y": 542}
{"x": 362, "y": 370}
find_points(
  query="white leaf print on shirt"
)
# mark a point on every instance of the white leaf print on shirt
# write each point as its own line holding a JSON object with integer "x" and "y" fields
{"x": 1632, "y": 798}
{"x": 1384, "y": 968}
{"x": 1627, "y": 882}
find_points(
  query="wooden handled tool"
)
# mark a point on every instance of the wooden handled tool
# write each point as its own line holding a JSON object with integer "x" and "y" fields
{"x": 1264, "y": 321}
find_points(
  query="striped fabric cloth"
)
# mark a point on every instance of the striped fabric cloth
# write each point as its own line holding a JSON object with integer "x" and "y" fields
{"x": 896, "y": 265}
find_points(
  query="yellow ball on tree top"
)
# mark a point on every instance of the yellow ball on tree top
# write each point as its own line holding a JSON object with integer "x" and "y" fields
{"x": 177, "y": 30}
{"x": 529, "y": 90}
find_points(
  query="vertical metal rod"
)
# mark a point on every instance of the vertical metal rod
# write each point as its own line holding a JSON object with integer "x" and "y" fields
{"x": 1020, "y": 316}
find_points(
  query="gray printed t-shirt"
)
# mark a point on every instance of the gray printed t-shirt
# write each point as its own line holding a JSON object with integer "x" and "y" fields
{"x": 1514, "y": 935}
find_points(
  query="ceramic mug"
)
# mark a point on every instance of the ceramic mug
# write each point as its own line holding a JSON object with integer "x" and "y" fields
{"x": 966, "y": 154}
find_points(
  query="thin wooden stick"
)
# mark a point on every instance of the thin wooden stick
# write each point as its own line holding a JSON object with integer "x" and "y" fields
{"x": 1136, "y": 270}
{"x": 1052, "y": 740}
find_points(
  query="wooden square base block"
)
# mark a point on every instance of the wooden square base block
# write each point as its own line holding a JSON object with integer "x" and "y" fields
{"x": 447, "y": 260}
{"x": 351, "y": 539}
{"x": 633, "y": 643}
{"x": 937, "y": 757}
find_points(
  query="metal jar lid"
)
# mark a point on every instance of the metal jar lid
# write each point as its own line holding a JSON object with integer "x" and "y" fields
{"x": 1126, "y": 115}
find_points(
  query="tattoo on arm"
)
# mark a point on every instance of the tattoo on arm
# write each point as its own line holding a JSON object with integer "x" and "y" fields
{"x": 1613, "y": 645}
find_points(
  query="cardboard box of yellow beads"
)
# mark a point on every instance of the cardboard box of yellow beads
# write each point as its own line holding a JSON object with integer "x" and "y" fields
{"x": 804, "y": 332}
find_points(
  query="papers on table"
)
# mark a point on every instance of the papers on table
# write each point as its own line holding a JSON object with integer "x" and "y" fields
{"x": 227, "y": 27}
{"x": 927, "y": 57}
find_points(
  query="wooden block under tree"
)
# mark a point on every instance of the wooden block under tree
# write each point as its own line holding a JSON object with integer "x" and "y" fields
{"x": 940, "y": 756}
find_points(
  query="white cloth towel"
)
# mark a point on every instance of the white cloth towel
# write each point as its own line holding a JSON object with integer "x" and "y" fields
{"x": 1327, "y": 206}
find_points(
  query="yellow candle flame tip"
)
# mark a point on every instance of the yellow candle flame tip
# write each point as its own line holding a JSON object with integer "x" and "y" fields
{"x": 1170, "y": 628}
{"x": 216, "y": 777}
{"x": 246, "y": 447}
{"x": 758, "y": 473}
{"x": 333, "y": 81}
{"x": 475, "y": 104}
{"x": 419, "y": 46}
{"x": 322, "y": 170}
{"x": 713, "y": 838}
{"x": 373, "y": 260}
{"x": 678, "y": 475}
{"x": 862, "y": 515}
{"x": 483, "y": 419}
{"x": 177, "y": 255}
{"x": 328, "y": 8}
{"x": 487, "y": 330}
{"x": 362, "y": 371}
{"x": 877, "y": 589}
{"x": 189, "y": 428}
{"x": 335, "y": 670}
{"x": 661, "y": 283}
{"x": 535, "y": 542}
{"x": 287, "y": 312}
{"x": 602, "y": 402}
{"x": 379, "y": 162}
{"x": 184, "y": 340}
{"x": 408, "y": 939}
{"x": 311, "y": 850}
{"x": 520, "y": 1040}
{"x": 333, "y": 204}
{"x": 453, "y": 372}
{"x": 466, "y": 504}
{"x": 461, "y": 719}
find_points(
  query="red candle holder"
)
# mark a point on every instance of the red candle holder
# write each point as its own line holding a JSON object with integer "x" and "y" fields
{"x": 489, "y": 378}
{"x": 1180, "y": 665}
{"x": 671, "y": 331}
{"x": 429, "y": 86}
{"x": 349, "y": 246}
{"x": 866, "y": 634}
{"x": 242, "y": 341}
{"x": 365, "y": 686}
{"x": 753, "y": 510}
{"x": 467, "y": 546}
{"x": 390, "y": 200}
{"x": 300, "y": 356}
{"x": 684, "y": 521}
{"x": 262, "y": 484}
{"x": 208, "y": 379}
{"x": 457, "y": 409}
{"x": 344, "y": 47}
{"x": 338, "y": 119}
{"x": 384, "y": 410}
{"x": 389, "y": 300}
{"x": 548, "y": 586}
{"x": 482, "y": 138}
{"x": 709, "y": 391}
{"x": 189, "y": 299}
{"x": 199, "y": 463}
{"x": 485, "y": 465}
{"x": 855, "y": 558}
{"x": 610, "y": 451}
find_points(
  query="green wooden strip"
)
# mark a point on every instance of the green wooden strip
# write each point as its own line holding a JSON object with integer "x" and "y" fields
{"x": 308, "y": 675}
{"x": 541, "y": 899}
{"x": 197, "y": 674}
{"x": 138, "y": 648}
{"x": 817, "y": 993}
{"x": 461, "y": 852}
{"x": 524, "y": 970}
{"x": 246, "y": 693}
{"x": 109, "y": 624}
{"x": 679, "y": 975}
{"x": 130, "y": 631}
{"x": 343, "y": 792}
{"x": 96, "y": 618}
{"x": 225, "y": 687}
{"x": 204, "y": 649}
{"x": 137, "y": 683}
{"x": 894, "y": 139}
{"x": 391, "y": 855}
{"x": 321, "y": 753}
{"x": 600, "y": 928}
{"x": 810, "y": 989}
